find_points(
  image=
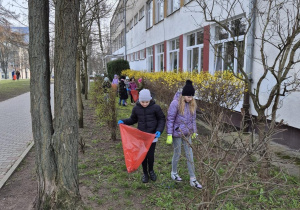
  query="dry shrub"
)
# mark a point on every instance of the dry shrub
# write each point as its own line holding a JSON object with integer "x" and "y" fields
{"x": 226, "y": 160}
{"x": 104, "y": 102}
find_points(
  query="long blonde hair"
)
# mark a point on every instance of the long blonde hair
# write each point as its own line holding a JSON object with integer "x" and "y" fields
{"x": 192, "y": 105}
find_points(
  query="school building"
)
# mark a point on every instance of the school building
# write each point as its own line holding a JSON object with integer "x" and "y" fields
{"x": 167, "y": 35}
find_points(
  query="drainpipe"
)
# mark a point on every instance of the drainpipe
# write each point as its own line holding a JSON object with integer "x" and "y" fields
{"x": 125, "y": 53}
{"x": 249, "y": 62}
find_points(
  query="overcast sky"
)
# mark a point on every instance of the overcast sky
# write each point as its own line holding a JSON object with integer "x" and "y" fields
{"x": 20, "y": 7}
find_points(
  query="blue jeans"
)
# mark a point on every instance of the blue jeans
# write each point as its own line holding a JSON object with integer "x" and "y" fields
{"x": 188, "y": 154}
{"x": 123, "y": 100}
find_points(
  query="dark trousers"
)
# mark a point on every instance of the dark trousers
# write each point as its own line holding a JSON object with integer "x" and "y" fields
{"x": 149, "y": 159}
{"x": 131, "y": 98}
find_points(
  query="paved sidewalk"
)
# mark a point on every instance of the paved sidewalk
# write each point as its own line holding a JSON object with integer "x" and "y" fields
{"x": 15, "y": 133}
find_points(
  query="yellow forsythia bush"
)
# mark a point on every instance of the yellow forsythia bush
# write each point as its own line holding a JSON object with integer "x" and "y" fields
{"x": 220, "y": 89}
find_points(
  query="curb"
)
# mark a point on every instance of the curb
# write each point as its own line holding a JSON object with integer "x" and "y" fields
{"x": 15, "y": 165}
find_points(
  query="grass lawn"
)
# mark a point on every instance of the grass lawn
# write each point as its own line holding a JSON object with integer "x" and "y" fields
{"x": 13, "y": 88}
{"x": 106, "y": 184}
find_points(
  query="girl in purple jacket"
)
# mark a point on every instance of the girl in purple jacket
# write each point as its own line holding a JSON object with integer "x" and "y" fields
{"x": 181, "y": 127}
{"x": 132, "y": 86}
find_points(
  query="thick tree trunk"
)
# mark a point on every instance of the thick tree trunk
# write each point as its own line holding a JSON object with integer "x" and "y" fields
{"x": 56, "y": 141}
{"x": 78, "y": 92}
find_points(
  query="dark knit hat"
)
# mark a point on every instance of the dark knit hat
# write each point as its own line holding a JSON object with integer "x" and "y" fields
{"x": 188, "y": 89}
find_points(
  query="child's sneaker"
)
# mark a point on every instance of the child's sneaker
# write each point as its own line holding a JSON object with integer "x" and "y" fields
{"x": 152, "y": 176}
{"x": 195, "y": 184}
{"x": 176, "y": 177}
{"x": 145, "y": 178}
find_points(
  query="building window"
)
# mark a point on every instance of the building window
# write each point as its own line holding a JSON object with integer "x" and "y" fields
{"x": 121, "y": 38}
{"x": 141, "y": 12}
{"x": 229, "y": 47}
{"x": 136, "y": 54}
{"x": 174, "y": 54}
{"x": 127, "y": 27}
{"x": 160, "y": 57}
{"x": 173, "y": 5}
{"x": 136, "y": 19}
{"x": 150, "y": 58}
{"x": 142, "y": 54}
{"x": 149, "y": 14}
{"x": 159, "y": 10}
{"x": 195, "y": 52}
{"x": 131, "y": 24}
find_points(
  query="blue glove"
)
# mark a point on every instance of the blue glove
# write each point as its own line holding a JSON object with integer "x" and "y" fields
{"x": 128, "y": 89}
{"x": 120, "y": 122}
{"x": 157, "y": 134}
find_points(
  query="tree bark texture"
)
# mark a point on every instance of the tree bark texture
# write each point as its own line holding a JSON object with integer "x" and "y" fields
{"x": 56, "y": 140}
{"x": 78, "y": 92}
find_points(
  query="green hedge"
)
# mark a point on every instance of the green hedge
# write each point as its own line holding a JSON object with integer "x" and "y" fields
{"x": 115, "y": 67}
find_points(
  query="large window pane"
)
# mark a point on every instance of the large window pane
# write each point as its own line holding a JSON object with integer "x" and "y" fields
{"x": 149, "y": 14}
{"x": 160, "y": 10}
{"x": 189, "y": 55}
{"x": 218, "y": 58}
{"x": 200, "y": 37}
{"x": 175, "y": 63}
{"x": 173, "y": 60}
{"x": 221, "y": 33}
{"x": 161, "y": 56}
{"x": 195, "y": 59}
{"x": 201, "y": 60}
{"x": 173, "y": 5}
{"x": 240, "y": 57}
{"x": 238, "y": 27}
{"x": 229, "y": 56}
{"x": 177, "y": 43}
{"x": 191, "y": 39}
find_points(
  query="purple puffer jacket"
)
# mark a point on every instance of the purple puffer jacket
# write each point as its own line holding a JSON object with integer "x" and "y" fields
{"x": 178, "y": 124}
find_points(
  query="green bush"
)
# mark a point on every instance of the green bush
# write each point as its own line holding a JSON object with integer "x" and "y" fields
{"x": 115, "y": 67}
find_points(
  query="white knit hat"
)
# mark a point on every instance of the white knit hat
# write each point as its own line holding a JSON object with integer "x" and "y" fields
{"x": 145, "y": 95}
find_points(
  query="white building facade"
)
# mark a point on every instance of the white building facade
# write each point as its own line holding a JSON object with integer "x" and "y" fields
{"x": 167, "y": 35}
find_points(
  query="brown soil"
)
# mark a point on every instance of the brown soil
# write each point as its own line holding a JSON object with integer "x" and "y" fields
{"x": 20, "y": 189}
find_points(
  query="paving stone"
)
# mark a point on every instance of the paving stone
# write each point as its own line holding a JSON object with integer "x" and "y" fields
{"x": 15, "y": 129}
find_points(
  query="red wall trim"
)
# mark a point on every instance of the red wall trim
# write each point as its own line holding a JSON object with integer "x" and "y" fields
{"x": 153, "y": 58}
{"x": 165, "y": 55}
{"x": 206, "y": 48}
{"x": 181, "y": 53}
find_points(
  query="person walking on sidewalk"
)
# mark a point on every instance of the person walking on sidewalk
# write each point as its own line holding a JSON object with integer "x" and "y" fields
{"x": 150, "y": 119}
{"x": 181, "y": 128}
{"x": 18, "y": 74}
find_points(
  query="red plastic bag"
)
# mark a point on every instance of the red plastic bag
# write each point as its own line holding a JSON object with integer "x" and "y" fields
{"x": 136, "y": 144}
{"x": 135, "y": 95}
{"x": 114, "y": 86}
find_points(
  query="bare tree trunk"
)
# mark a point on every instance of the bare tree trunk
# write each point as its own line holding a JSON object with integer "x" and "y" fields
{"x": 99, "y": 24}
{"x": 56, "y": 140}
{"x": 264, "y": 145}
{"x": 78, "y": 92}
{"x": 85, "y": 73}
